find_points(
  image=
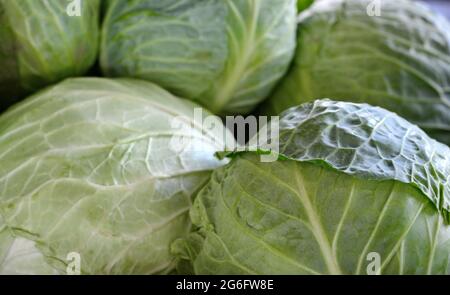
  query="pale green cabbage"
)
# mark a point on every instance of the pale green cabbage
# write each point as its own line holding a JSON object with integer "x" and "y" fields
{"x": 399, "y": 60}
{"x": 41, "y": 44}
{"x": 352, "y": 181}
{"x": 227, "y": 55}
{"x": 87, "y": 167}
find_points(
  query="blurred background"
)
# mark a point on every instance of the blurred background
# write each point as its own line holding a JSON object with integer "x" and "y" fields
{"x": 442, "y": 6}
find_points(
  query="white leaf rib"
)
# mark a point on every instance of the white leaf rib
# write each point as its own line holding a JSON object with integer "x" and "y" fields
{"x": 375, "y": 230}
{"x": 318, "y": 230}
{"x": 341, "y": 221}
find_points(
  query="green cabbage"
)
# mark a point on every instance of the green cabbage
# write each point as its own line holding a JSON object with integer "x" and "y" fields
{"x": 41, "y": 44}
{"x": 399, "y": 60}
{"x": 227, "y": 55}
{"x": 353, "y": 181}
{"x": 86, "y": 167}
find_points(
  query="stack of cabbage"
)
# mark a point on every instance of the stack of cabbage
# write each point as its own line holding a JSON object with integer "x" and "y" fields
{"x": 120, "y": 175}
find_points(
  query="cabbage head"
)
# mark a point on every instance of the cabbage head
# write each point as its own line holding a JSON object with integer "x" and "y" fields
{"x": 226, "y": 55}
{"x": 399, "y": 60}
{"x": 356, "y": 190}
{"x": 41, "y": 43}
{"x": 87, "y": 169}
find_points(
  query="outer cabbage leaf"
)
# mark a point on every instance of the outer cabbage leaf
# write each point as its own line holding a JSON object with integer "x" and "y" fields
{"x": 320, "y": 209}
{"x": 227, "y": 55}
{"x": 368, "y": 142}
{"x": 399, "y": 60}
{"x": 87, "y": 167}
{"x": 41, "y": 44}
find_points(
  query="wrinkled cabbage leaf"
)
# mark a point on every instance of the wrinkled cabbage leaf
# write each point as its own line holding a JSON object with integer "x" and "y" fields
{"x": 348, "y": 185}
{"x": 87, "y": 168}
